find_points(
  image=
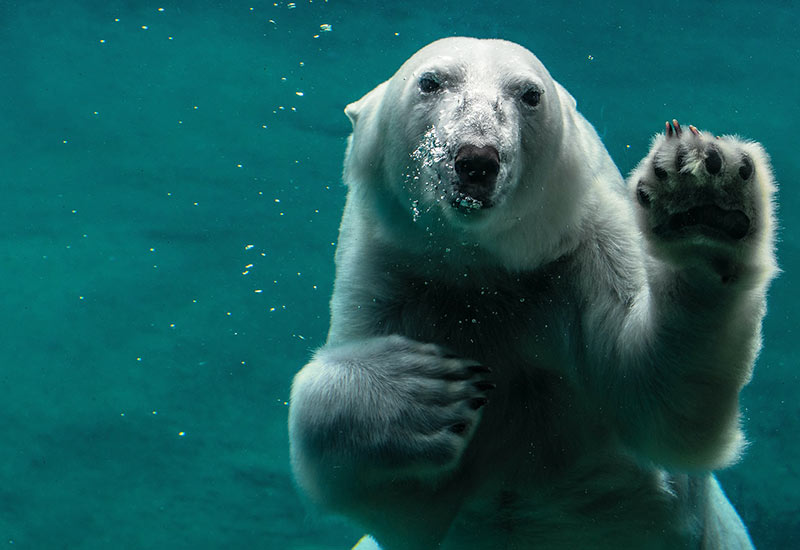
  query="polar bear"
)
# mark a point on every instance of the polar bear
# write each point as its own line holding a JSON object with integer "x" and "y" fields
{"x": 524, "y": 351}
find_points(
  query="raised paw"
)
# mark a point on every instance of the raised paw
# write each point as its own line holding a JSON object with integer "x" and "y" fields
{"x": 700, "y": 195}
{"x": 695, "y": 184}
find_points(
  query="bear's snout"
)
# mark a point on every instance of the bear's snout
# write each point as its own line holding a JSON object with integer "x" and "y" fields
{"x": 477, "y": 168}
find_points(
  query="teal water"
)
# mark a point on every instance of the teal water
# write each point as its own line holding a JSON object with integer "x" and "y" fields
{"x": 169, "y": 199}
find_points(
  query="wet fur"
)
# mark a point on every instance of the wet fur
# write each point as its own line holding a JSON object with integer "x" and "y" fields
{"x": 616, "y": 356}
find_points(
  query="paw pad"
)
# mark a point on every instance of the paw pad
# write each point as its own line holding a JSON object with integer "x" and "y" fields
{"x": 680, "y": 159}
{"x": 713, "y": 161}
{"x": 746, "y": 169}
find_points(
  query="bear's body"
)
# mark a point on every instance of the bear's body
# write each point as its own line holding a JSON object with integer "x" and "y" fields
{"x": 524, "y": 352}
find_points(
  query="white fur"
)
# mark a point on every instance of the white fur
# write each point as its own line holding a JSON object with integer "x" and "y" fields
{"x": 617, "y": 353}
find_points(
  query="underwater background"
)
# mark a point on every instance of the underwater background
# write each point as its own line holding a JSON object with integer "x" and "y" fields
{"x": 170, "y": 194}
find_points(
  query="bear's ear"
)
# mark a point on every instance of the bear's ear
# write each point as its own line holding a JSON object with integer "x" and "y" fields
{"x": 366, "y": 105}
{"x": 352, "y": 111}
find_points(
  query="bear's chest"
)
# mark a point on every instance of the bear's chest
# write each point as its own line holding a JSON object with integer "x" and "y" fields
{"x": 526, "y": 320}
{"x": 524, "y": 329}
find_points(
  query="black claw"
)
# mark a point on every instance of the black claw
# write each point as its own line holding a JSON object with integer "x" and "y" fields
{"x": 484, "y": 385}
{"x": 660, "y": 172}
{"x": 459, "y": 428}
{"x": 479, "y": 369}
{"x": 746, "y": 169}
{"x": 642, "y": 196}
{"x": 678, "y": 129}
{"x": 713, "y": 161}
{"x": 477, "y": 402}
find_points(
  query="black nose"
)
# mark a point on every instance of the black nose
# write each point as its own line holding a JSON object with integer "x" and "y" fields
{"x": 477, "y": 165}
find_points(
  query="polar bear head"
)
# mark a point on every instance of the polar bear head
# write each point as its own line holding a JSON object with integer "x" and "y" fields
{"x": 471, "y": 140}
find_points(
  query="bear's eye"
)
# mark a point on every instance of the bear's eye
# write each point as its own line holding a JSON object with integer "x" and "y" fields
{"x": 531, "y": 97}
{"x": 429, "y": 84}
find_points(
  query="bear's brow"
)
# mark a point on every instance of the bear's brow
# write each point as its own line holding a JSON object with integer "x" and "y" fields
{"x": 445, "y": 68}
{"x": 524, "y": 81}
